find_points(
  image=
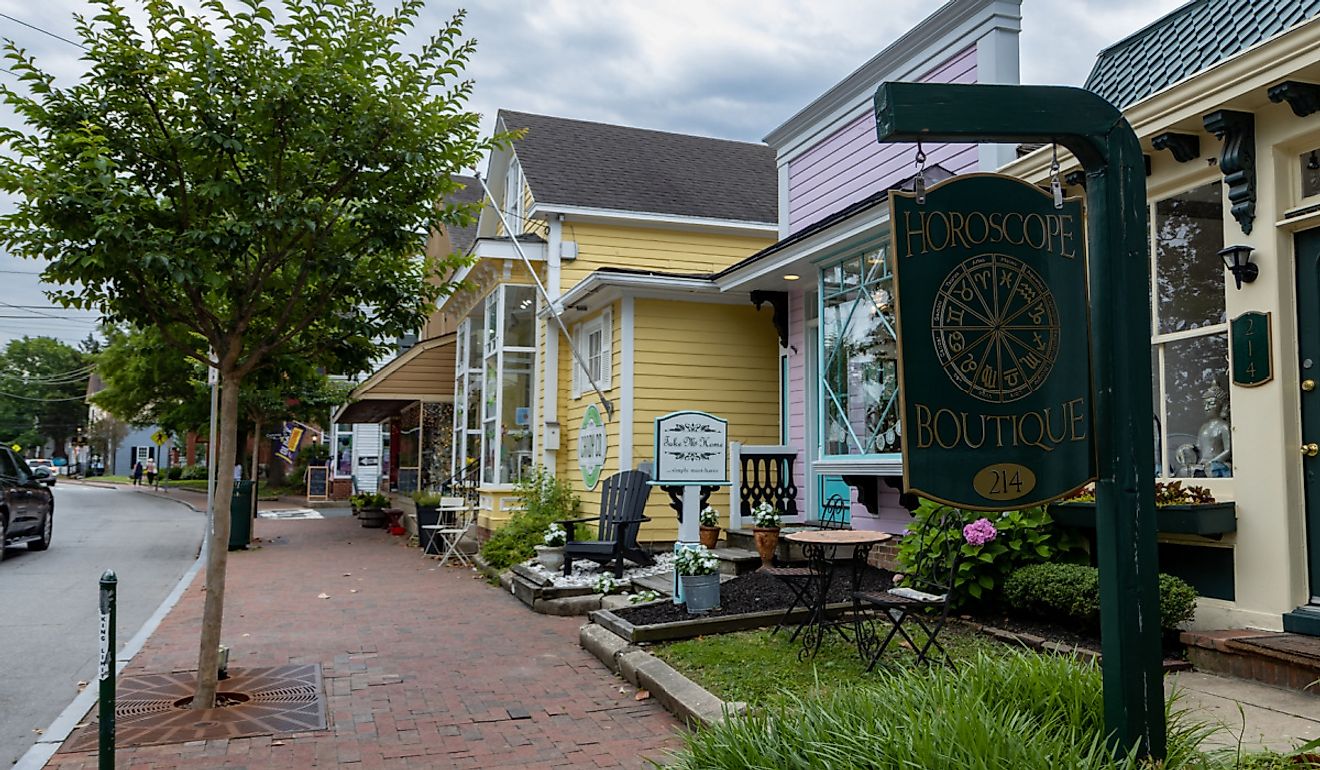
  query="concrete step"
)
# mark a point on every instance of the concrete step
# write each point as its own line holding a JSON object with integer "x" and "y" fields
{"x": 786, "y": 552}
{"x": 737, "y": 561}
{"x": 1279, "y": 659}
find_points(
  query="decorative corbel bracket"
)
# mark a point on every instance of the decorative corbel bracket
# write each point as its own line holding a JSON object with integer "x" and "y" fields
{"x": 1304, "y": 98}
{"x": 1075, "y": 179}
{"x": 1183, "y": 147}
{"x": 779, "y": 303}
{"x": 1237, "y": 161}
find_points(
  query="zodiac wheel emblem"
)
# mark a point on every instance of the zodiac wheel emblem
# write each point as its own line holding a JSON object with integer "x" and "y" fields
{"x": 995, "y": 327}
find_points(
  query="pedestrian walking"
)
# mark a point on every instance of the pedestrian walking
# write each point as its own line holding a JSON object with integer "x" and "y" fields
{"x": 137, "y": 473}
{"x": 150, "y": 470}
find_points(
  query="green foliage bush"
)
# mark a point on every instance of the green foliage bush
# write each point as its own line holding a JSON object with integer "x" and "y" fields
{"x": 1012, "y": 711}
{"x": 193, "y": 473}
{"x": 1023, "y": 537}
{"x": 1073, "y": 590}
{"x": 174, "y": 472}
{"x": 543, "y": 499}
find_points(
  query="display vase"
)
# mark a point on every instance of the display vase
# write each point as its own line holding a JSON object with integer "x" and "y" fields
{"x": 710, "y": 536}
{"x": 550, "y": 556}
{"x": 767, "y": 540}
{"x": 372, "y": 518}
{"x": 701, "y": 593}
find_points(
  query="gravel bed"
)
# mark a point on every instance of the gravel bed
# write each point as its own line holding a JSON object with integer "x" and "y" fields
{"x": 586, "y": 573}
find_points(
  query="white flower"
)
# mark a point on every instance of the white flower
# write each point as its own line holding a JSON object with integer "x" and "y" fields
{"x": 555, "y": 536}
{"x": 709, "y": 517}
{"x": 696, "y": 560}
{"x": 766, "y": 515}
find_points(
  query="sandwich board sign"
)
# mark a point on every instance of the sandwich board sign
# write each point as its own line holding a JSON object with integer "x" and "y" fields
{"x": 993, "y": 355}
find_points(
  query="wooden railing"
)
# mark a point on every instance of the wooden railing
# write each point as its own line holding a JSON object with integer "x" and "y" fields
{"x": 761, "y": 474}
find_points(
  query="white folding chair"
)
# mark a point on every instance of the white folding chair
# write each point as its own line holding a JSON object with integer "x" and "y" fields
{"x": 450, "y": 535}
{"x": 449, "y": 511}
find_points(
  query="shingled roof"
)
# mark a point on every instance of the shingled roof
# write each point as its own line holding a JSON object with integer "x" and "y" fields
{"x": 1189, "y": 40}
{"x": 462, "y": 237}
{"x": 596, "y": 165}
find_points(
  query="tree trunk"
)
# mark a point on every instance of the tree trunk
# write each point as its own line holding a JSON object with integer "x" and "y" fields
{"x": 217, "y": 551}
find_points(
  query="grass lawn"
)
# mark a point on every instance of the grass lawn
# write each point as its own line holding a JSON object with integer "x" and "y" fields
{"x": 754, "y": 666}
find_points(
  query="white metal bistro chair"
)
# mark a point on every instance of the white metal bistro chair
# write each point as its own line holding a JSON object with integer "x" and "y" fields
{"x": 456, "y": 521}
{"x": 449, "y": 512}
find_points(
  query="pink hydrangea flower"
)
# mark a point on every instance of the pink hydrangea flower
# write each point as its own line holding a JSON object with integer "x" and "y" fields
{"x": 979, "y": 532}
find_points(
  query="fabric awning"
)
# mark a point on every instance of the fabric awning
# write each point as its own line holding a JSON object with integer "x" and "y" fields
{"x": 424, "y": 372}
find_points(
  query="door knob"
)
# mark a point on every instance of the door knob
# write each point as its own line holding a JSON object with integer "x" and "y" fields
{"x": 1308, "y": 385}
{"x": 1311, "y": 450}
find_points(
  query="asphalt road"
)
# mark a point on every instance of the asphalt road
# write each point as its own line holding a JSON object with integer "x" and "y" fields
{"x": 48, "y": 601}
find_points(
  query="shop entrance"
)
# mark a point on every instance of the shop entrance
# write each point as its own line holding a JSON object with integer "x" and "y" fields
{"x": 1306, "y": 619}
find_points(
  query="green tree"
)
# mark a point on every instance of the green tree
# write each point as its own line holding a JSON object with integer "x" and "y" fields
{"x": 43, "y": 391}
{"x": 247, "y": 186}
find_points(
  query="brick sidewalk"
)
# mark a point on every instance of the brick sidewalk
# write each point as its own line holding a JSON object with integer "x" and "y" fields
{"x": 425, "y": 667}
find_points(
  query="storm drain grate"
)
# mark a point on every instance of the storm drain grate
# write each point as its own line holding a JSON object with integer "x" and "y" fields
{"x": 151, "y": 709}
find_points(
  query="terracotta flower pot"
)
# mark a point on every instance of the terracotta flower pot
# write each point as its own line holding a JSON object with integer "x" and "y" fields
{"x": 709, "y": 536}
{"x": 767, "y": 540}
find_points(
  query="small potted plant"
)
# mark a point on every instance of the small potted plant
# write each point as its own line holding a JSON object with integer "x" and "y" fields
{"x": 699, "y": 571}
{"x": 766, "y": 531}
{"x": 710, "y": 526}
{"x": 551, "y": 554}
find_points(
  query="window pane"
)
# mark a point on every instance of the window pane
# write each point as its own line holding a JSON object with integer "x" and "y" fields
{"x": 475, "y": 336}
{"x": 491, "y": 326}
{"x": 473, "y": 409}
{"x": 858, "y": 371}
{"x": 516, "y": 421}
{"x": 1310, "y": 164}
{"x": 1189, "y": 232}
{"x": 1196, "y": 407}
{"x": 519, "y": 316}
{"x": 594, "y": 350}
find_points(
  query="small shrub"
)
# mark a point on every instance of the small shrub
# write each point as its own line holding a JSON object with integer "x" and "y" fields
{"x": 991, "y": 549}
{"x": 193, "y": 473}
{"x": 174, "y": 472}
{"x": 544, "y": 499}
{"x": 1073, "y": 590}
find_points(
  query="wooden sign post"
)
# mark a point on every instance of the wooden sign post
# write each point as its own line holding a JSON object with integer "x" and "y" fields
{"x": 1104, "y": 143}
{"x": 691, "y": 451}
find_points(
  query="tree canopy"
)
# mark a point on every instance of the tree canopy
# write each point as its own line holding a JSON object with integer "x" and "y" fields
{"x": 246, "y": 185}
{"x": 43, "y": 387}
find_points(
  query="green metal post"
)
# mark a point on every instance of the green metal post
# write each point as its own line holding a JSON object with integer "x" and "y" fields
{"x": 1105, "y": 144}
{"x": 106, "y": 710}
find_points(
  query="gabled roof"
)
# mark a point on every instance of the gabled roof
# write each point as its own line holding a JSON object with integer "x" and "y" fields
{"x": 1189, "y": 40}
{"x": 462, "y": 237}
{"x": 596, "y": 165}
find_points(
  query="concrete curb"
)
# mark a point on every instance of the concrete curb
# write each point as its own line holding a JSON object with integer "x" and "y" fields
{"x": 59, "y": 730}
{"x": 682, "y": 697}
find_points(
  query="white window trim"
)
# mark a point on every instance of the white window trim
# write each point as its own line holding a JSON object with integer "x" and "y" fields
{"x": 604, "y": 323}
{"x": 513, "y": 195}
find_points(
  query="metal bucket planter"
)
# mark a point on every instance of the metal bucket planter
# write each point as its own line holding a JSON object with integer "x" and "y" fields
{"x": 701, "y": 593}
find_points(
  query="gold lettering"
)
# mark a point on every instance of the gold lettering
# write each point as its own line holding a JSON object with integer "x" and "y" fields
{"x": 967, "y": 434}
{"x": 925, "y": 435}
{"x": 957, "y": 429}
{"x": 1074, "y": 409}
{"x": 915, "y": 232}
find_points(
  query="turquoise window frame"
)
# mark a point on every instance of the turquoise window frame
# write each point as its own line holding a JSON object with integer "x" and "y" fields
{"x": 825, "y": 397}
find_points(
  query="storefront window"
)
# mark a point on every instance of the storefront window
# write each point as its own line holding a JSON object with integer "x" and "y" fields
{"x": 344, "y": 450}
{"x": 859, "y": 377}
{"x": 1189, "y": 352}
{"x": 493, "y": 392}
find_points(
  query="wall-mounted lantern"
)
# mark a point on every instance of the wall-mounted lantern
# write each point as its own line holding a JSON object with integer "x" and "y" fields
{"x": 1238, "y": 261}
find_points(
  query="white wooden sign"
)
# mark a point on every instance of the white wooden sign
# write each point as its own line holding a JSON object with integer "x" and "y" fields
{"x": 691, "y": 448}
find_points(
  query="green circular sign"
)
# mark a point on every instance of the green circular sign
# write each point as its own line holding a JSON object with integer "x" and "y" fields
{"x": 591, "y": 446}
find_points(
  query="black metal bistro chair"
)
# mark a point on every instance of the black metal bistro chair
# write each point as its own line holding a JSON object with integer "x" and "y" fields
{"x": 923, "y": 598}
{"x": 834, "y": 515}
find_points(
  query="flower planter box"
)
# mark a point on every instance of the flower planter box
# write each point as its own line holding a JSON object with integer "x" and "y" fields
{"x": 1205, "y": 519}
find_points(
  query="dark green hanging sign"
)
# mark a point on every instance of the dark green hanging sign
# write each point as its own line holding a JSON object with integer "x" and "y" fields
{"x": 994, "y": 364}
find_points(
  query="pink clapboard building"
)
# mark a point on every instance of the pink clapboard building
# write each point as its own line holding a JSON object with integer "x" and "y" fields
{"x": 828, "y": 276}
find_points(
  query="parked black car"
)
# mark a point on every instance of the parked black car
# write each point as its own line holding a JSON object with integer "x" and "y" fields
{"x": 27, "y": 506}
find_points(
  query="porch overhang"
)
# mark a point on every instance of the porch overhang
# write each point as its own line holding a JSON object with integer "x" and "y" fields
{"x": 424, "y": 372}
{"x": 605, "y": 285}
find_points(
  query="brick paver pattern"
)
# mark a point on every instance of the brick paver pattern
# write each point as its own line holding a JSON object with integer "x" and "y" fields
{"x": 425, "y": 667}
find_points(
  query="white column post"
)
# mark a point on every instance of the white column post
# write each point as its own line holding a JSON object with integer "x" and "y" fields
{"x": 735, "y": 485}
{"x": 689, "y": 531}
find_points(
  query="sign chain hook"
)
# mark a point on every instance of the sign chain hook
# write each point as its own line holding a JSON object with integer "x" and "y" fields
{"x": 919, "y": 181}
{"x": 1055, "y": 186}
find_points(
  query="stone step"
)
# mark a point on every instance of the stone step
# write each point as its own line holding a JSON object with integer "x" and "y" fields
{"x": 786, "y": 552}
{"x": 1280, "y": 659}
{"x": 737, "y": 561}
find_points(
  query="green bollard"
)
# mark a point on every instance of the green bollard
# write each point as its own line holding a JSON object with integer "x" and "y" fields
{"x": 106, "y": 710}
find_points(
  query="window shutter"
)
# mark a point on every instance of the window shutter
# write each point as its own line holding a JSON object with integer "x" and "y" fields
{"x": 606, "y": 349}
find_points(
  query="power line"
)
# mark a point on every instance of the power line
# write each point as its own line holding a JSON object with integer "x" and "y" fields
{"x": 83, "y": 397}
{"x": 43, "y": 31}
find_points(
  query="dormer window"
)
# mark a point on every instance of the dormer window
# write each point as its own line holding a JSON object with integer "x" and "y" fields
{"x": 513, "y": 196}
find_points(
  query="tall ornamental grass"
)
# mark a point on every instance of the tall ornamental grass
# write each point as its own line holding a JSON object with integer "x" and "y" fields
{"x": 1018, "y": 711}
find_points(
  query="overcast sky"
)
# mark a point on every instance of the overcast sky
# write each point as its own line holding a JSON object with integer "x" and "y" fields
{"x": 728, "y": 68}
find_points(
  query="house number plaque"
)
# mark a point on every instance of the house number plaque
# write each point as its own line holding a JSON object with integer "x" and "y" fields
{"x": 993, "y": 355}
{"x": 1253, "y": 362}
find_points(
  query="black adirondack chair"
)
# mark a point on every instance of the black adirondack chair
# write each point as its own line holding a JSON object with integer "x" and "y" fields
{"x": 622, "y": 503}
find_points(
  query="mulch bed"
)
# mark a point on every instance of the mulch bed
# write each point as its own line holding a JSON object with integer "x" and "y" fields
{"x": 1070, "y": 636}
{"x": 753, "y": 592}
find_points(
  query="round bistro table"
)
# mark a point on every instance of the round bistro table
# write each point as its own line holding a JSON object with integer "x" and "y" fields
{"x": 821, "y": 549}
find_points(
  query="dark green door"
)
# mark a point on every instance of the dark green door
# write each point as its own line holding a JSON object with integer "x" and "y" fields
{"x": 1306, "y": 619}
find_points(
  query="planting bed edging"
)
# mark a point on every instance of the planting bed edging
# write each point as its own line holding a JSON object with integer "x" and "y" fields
{"x": 700, "y": 626}
{"x": 1041, "y": 644}
{"x": 682, "y": 697}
